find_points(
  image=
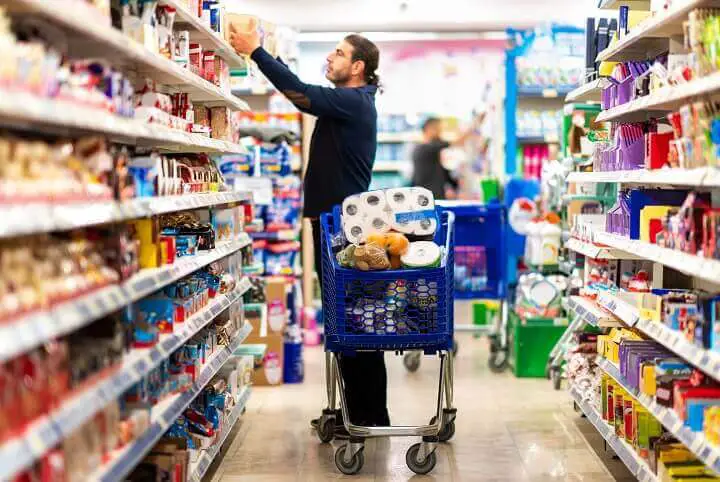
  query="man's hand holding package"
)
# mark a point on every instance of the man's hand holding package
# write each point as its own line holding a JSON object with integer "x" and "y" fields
{"x": 245, "y": 41}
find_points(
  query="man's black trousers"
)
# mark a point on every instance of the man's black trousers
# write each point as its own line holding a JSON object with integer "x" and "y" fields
{"x": 364, "y": 374}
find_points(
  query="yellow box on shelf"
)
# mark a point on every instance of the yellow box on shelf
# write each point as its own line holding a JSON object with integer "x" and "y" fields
{"x": 648, "y": 215}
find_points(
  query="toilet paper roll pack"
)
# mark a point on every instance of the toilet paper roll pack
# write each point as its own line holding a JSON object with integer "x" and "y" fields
{"x": 405, "y": 210}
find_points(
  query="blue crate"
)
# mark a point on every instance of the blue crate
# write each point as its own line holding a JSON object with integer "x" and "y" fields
{"x": 480, "y": 239}
{"x": 388, "y": 310}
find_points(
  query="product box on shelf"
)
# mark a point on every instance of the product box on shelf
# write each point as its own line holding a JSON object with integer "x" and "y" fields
{"x": 269, "y": 369}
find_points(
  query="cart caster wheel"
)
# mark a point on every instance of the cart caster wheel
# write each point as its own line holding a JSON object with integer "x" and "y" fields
{"x": 420, "y": 468}
{"x": 498, "y": 361}
{"x": 411, "y": 362}
{"x": 326, "y": 430}
{"x": 446, "y": 432}
{"x": 556, "y": 378}
{"x": 355, "y": 465}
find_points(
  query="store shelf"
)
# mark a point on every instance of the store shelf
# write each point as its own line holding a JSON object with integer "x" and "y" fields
{"x": 615, "y": 4}
{"x": 546, "y": 139}
{"x": 597, "y": 252}
{"x": 695, "y": 441}
{"x": 591, "y": 313}
{"x": 90, "y": 35}
{"x": 199, "y": 468}
{"x": 544, "y": 92}
{"x": 707, "y": 269}
{"x": 625, "y": 311}
{"x": 589, "y": 92}
{"x": 257, "y": 268}
{"x": 163, "y": 415}
{"x": 33, "y": 330}
{"x": 46, "y": 433}
{"x": 23, "y": 110}
{"x": 398, "y": 137}
{"x": 281, "y": 235}
{"x": 705, "y": 360}
{"x": 663, "y": 100}
{"x": 21, "y": 220}
{"x": 635, "y": 464}
{"x": 699, "y": 177}
{"x": 204, "y": 35}
{"x": 391, "y": 166}
{"x": 651, "y": 37}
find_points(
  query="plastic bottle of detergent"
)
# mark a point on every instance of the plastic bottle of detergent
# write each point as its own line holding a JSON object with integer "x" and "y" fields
{"x": 532, "y": 244}
{"x": 549, "y": 238}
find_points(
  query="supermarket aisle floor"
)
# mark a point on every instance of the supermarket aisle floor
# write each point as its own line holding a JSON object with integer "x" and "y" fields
{"x": 508, "y": 430}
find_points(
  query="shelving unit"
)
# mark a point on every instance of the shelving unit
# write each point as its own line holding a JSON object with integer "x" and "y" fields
{"x": 695, "y": 441}
{"x": 690, "y": 264}
{"x": 596, "y": 252}
{"x": 202, "y": 34}
{"x": 35, "y": 329}
{"x": 90, "y": 35}
{"x": 614, "y": 4}
{"x": 589, "y": 92}
{"x": 81, "y": 407}
{"x": 22, "y": 110}
{"x": 645, "y": 41}
{"x": 705, "y": 360}
{"x": 199, "y": 468}
{"x": 591, "y": 313}
{"x": 163, "y": 415}
{"x": 637, "y": 466}
{"x": 651, "y": 37}
{"x": 663, "y": 100}
{"x": 699, "y": 177}
{"x": 48, "y": 217}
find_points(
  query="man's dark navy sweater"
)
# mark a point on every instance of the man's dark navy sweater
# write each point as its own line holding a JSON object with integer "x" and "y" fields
{"x": 343, "y": 145}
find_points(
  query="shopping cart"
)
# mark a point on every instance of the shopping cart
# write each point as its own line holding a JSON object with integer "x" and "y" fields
{"x": 480, "y": 271}
{"x": 387, "y": 311}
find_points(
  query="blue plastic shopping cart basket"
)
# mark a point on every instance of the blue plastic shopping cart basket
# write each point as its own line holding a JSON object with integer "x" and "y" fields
{"x": 409, "y": 309}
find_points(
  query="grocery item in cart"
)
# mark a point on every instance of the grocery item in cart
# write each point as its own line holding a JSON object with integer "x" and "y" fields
{"x": 422, "y": 254}
{"x": 405, "y": 210}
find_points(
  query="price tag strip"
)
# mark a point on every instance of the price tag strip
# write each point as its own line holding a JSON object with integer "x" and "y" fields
{"x": 34, "y": 330}
{"x": 20, "y": 453}
{"x": 42, "y": 218}
{"x": 695, "y": 441}
{"x": 622, "y": 449}
{"x": 591, "y": 313}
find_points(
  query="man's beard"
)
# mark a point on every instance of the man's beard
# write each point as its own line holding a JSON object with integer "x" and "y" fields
{"x": 338, "y": 79}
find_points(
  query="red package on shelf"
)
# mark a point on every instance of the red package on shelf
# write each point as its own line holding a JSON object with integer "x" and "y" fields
{"x": 657, "y": 149}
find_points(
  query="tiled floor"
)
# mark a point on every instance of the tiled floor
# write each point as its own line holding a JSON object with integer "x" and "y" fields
{"x": 508, "y": 429}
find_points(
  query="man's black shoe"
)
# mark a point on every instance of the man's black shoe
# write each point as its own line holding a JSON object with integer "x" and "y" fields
{"x": 340, "y": 432}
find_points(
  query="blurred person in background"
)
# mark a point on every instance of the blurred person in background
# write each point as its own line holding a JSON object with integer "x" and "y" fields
{"x": 342, "y": 153}
{"x": 428, "y": 169}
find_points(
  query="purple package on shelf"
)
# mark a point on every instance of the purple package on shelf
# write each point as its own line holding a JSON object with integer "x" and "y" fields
{"x": 635, "y": 360}
{"x": 639, "y": 198}
{"x": 624, "y": 91}
{"x": 632, "y": 155}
